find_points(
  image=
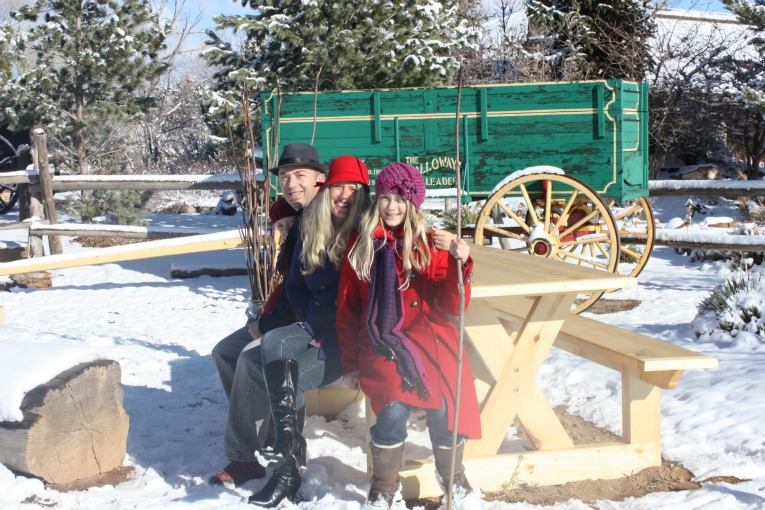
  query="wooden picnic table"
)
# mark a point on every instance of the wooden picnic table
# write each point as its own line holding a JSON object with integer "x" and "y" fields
{"x": 506, "y": 355}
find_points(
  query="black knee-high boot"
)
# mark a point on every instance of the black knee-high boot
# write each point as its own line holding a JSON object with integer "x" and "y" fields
{"x": 281, "y": 378}
{"x": 284, "y": 484}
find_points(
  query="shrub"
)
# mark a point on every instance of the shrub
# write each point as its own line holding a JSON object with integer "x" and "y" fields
{"x": 469, "y": 217}
{"x": 625, "y": 257}
{"x": 119, "y": 207}
{"x": 734, "y": 306}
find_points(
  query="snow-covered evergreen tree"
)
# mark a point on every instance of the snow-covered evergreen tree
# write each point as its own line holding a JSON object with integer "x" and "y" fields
{"x": 754, "y": 16}
{"x": 555, "y": 40}
{"x": 91, "y": 60}
{"x": 600, "y": 39}
{"x": 327, "y": 45}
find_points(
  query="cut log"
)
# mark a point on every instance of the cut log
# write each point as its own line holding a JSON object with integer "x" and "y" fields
{"x": 74, "y": 426}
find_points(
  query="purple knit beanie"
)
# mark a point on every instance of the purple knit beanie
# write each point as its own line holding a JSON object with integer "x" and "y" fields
{"x": 401, "y": 179}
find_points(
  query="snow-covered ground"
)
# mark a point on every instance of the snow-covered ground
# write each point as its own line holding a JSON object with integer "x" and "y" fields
{"x": 161, "y": 331}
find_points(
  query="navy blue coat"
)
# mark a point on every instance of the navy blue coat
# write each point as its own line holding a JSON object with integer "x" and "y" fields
{"x": 313, "y": 298}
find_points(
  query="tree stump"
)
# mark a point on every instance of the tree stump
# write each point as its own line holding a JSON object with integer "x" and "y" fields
{"x": 74, "y": 426}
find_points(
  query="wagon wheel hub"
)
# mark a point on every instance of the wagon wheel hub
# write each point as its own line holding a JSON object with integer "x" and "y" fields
{"x": 542, "y": 248}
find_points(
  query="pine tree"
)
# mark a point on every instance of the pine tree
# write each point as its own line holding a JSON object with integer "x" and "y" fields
{"x": 555, "y": 40}
{"x": 91, "y": 60}
{"x": 601, "y": 39}
{"x": 754, "y": 16}
{"x": 294, "y": 45}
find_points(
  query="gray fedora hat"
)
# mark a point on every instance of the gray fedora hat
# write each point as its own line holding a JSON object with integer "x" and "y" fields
{"x": 299, "y": 154}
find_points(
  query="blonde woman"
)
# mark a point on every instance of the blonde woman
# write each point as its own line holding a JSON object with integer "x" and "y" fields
{"x": 396, "y": 342}
{"x": 304, "y": 355}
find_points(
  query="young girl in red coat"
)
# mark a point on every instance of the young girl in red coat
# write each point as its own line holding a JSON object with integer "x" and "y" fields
{"x": 396, "y": 342}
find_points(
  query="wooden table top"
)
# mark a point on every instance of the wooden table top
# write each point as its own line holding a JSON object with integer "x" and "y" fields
{"x": 505, "y": 273}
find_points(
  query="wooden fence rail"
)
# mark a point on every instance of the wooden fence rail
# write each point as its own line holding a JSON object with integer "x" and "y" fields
{"x": 232, "y": 181}
{"x": 679, "y": 239}
{"x": 706, "y": 188}
{"x": 226, "y": 240}
{"x": 127, "y": 182}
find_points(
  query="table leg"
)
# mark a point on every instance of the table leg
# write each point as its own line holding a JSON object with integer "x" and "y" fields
{"x": 533, "y": 341}
{"x": 487, "y": 334}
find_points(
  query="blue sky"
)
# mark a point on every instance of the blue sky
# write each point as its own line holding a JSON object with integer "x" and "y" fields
{"x": 699, "y": 5}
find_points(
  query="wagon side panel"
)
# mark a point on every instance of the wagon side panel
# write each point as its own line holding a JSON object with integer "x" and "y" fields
{"x": 503, "y": 128}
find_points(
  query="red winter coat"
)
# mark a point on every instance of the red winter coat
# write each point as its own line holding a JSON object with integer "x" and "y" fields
{"x": 432, "y": 333}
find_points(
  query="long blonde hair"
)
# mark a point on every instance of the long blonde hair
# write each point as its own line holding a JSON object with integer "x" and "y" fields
{"x": 321, "y": 240}
{"x": 415, "y": 251}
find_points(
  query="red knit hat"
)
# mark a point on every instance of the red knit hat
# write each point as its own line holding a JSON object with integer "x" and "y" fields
{"x": 346, "y": 169}
{"x": 401, "y": 179}
{"x": 281, "y": 209}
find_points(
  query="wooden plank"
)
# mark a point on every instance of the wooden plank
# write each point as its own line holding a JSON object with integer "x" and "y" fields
{"x": 615, "y": 347}
{"x": 502, "y": 472}
{"x": 13, "y": 225}
{"x": 330, "y": 401}
{"x": 122, "y": 231}
{"x": 143, "y": 182}
{"x": 705, "y": 188}
{"x": 506, "y": 273}
{"x": 19, "y": 177}
{"x": 487, "y": 334}
{"x": 193, "y": 244}
{"x": 541, "y": 423}
{"x": 641, "y": 409}
{"x": 128, "y": 182}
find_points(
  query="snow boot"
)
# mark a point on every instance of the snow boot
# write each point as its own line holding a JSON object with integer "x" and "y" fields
{"x": 284, "y": 484}
{"x": 281, "y": 378}
{"x": 386, "y": 463}
{"x": 443, "y": 458}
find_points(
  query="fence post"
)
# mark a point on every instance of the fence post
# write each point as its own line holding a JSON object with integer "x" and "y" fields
{"x": 46, "y": 187}
{"x": 32, "y": 206}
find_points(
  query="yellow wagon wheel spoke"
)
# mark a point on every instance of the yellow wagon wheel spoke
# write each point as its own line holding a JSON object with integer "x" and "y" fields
{"x": 514, "y": 216}
{"x": 555, "y": 216}
{"x": 637, "y": 231}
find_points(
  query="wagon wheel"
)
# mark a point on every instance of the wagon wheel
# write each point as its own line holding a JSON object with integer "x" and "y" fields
{"x": 554, "y": 216}
{"x": 637, "y": 230}
{"x": 8, "y": 196}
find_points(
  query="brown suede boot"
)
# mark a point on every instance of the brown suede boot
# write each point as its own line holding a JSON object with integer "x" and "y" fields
{"x": 386, "y": 463}
{"x": 443, "y": 457}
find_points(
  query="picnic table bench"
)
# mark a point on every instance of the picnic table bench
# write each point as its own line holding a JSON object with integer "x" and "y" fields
{"x": 520, "y": 308}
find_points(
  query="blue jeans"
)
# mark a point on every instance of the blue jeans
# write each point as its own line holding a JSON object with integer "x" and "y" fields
{"x": 390, "y": 428}
{"x": 238, "y": 360}
{"x": 293, "y": 342}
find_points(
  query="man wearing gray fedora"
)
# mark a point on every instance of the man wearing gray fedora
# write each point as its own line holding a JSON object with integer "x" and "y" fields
{"x": 237, "y": 356}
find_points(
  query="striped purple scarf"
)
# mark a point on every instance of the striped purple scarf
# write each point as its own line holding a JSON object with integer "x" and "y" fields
{"x": 386, "y": 316}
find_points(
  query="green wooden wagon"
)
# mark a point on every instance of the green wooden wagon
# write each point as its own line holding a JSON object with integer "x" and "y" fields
{"x": 561, "y": 169}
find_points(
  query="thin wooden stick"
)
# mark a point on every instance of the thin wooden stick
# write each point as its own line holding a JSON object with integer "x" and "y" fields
{"x": 315, "y": 102}
{"x": 461, "y": 285}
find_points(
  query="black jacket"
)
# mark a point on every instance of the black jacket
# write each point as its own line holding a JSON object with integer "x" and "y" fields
{"x": 283, "y": 314}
